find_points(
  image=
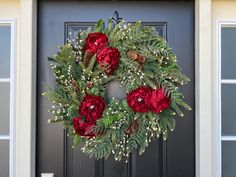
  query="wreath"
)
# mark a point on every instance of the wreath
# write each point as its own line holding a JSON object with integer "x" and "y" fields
{"x": 142, "y": 63}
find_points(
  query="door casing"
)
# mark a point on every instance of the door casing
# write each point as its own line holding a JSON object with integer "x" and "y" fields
{"x": 177, "y": 48}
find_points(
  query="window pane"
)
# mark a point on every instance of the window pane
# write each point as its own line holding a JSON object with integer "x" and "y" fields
{"x": 4, "y": 108}
{"x": 4, "y": 158}
{"x": 228, "y": 159}
{"x": 5, "y": 48}
{"x": 228, "y": 109}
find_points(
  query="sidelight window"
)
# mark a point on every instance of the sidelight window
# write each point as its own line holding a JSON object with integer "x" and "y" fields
{"x": 227, "y": 99}
{"x": 7, "y": 98}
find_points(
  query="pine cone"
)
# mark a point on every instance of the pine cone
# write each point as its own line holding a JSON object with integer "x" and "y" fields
{"x": 133, "y": 55}
{"x": 141, "y": 59}
{"x": 75, "y": 86}
{"x": 87, "y": 57}
{"x": 105, "y": 67}
{"x": 136, "y": 57}
{"x": 133, "y": 127}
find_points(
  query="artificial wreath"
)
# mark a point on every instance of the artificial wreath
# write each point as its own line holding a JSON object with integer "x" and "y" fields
{"x": 143, "y": 63}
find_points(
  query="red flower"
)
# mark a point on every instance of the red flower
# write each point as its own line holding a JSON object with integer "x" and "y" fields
{"x": 108, "y": 59}
{"x": 95, "y": 42}
{"x": 82, "y": 127}
{"x": 159, "y": 101}
{"x": 139, "y": 99}
{"x": 92, "y": 107}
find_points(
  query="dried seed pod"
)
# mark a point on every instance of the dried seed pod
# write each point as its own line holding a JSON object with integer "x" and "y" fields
{"x": 141, "y": 59}
{"x": 87, "y": 57}
{"x": 133, "y": 127}
{"x": 133, "y": 55}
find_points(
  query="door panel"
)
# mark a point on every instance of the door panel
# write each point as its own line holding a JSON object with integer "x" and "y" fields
{"x": 174, "y": 21}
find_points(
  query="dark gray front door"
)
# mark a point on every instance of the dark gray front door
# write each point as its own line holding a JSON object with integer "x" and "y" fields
{"x": 174, "y": 21}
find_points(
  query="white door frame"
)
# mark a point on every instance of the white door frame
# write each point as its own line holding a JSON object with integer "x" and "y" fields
{"x": 203, "y": 85}
{"x": 26, "y": 91}
{"x": 26, "y": 105}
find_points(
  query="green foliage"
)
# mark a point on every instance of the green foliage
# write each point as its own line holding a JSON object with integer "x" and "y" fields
{"x": 99, "y": 25}
{"x": 57, "y": 95}
{"x": 115, "y": 113}
{"x": 120, "y": 130}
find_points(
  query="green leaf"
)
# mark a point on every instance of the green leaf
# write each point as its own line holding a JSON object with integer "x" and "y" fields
{"x": 51, "y": 59}
{"x": 171, "y": 124}
{"x": 183, "y": 104}
{"x": 73, "y": 111}
{"x": 76, "y": 140}
{"x": 99, "y": 25}
{"x": 108, "y": 120}
{"x": 91, "y": 65}
{"x": 176, "y": 108}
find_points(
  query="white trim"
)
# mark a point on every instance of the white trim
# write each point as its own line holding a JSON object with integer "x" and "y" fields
{"x": 12, "y": 23}
{"x": 228, "y": 138}
{"x": 26, "y": 91}
{"x": 219, "y": 81}
{"x": 228, "y": 81}
{"x": 13, "y": 97}
{"x": 203, "y": 103}
{"x": 218, "y": 103}
{"x": 4, "y": 137}
{"x": 227, "y": 23}
{"x": 4, "y": 80}
{"x": 7, "y": 21}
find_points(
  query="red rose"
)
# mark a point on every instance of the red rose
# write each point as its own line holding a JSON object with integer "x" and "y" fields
{"x": 92, "y": 107}
{"x": 159, "y": 101}
{"x": 139, "y": 99}
{"x": 108, "y": 59}
{"x": 95, "y": 42}
{"x": 82, "y": 127}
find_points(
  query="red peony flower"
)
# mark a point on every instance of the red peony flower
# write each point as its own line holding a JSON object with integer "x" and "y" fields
{"x": 82, "y": 127}
{"x": 139, "y": 99}
{"x": 95, "y": 42}
{"x": 108, "y": 59}
{"x": 159, "y": 101}
{"x": 92, "y": 107}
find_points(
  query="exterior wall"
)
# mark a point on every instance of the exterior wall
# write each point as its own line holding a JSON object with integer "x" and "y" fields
{"x": 10, "y": 8}
{"x": 222, "y": 10}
